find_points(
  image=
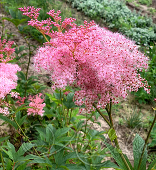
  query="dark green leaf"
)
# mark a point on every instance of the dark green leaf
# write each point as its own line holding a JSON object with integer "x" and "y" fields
{"x": 69, "y": 101}
{"x": 12, "y": 13}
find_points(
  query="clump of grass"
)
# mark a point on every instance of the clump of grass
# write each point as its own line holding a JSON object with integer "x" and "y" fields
{"x": 134, "y": 120}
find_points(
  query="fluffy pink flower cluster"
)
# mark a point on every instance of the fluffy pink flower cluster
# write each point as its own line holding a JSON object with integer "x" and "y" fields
{"x": 8, "y": 77}
{"x": 6, "y": 51}
{"x": 103, "y": 64}
{"x": 36, "y": 102}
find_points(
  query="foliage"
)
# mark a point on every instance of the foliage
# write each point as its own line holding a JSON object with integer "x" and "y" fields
{"x": 117, "y": 15}
{"x": 145, "y": 2}
{"x": 151, "y": 157}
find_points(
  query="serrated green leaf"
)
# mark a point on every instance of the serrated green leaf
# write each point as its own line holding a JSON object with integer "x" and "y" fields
{"x": 138, "y": 145}
{"x": 75, "y": 167}
{"x": 80, "y": 124}
{"x": 116, "y": 155}
{"x": 11, "y": 152}
{"x": 62, "y": 131}
{"x": 109, "y": 164}
{"x": 50, "y": 134}
{"x": 59, "y": 157}
{"x": 24, "y": 148}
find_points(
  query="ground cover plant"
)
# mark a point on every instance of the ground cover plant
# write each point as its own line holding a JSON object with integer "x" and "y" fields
{"x": 120, "y": 18}
{"x": 51, "y": 126}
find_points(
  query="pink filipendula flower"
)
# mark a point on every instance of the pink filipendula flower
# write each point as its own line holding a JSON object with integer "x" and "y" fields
{"x": 4, "y": 111}
{"x": 20, "y": 100}
{"x": 6, "y": 51}
{"x": 66, "y": 93}
{"x": 38, "y": 105}
{"x": 8, "y": 78}
{"x": 14, "y": 94}
{"x": 102, "y": 63}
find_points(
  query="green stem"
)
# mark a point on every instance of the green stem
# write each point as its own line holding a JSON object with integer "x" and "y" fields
{"x": 109, "y": 111}
{"x": 28, "y": 61}
{"x": 26, "y": 137}
{"x": 28, "y": 65}
{"x": 102, "y": 115}
{"x": 146, "y": 141}
{"x": 2, "y": 160}
{"x": 70, "y": 116}
{"x": 110, "y": 123}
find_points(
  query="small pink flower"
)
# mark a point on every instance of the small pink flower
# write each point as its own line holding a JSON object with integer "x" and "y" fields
{"x": 66, "y": 93}
{"x": 5, "y": 110}
{"x": 14, "y": 94}
{"x": 20, "y": 100}
{"x": 36, "y": 103}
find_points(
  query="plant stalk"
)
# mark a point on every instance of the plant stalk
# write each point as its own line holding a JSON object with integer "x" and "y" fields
{"x": 110, "y": 123}
{"x": 102, "y": 115}
{"x": 109, "y": 111}
{"x": 2, "y": 160}
{"x": 146, "y": 141}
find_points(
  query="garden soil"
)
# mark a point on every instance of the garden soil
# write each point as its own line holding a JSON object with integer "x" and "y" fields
{"x": 125, "y": 135}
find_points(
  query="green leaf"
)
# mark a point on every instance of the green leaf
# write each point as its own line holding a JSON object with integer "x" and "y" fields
{"x": 69, "y": 101}
{"x": 60, "y": 132}
{"x": 21, "y": 75}
{"x": 11, "y": 152}
{"x": 8, "y": 121}
{"x": 59, "y": 156}
{"x": 80, "y": 124}
{"x": 152, "y": 166}
{"x": 53, "y": 98}
{"x": 109, "y": 164}
{"x": 49, "y": 133}
{"x": 75, "y": 167}
{"x": 116, "y": 155}
{"x": 21, "y": 48}
{"x": 19, "y": 15}
{"x": 138, "y": 145}
{"x": 24, "y": 148}
{"x": 12, "y": 13}
{"x": 9, "y": 164}
{"x": 3, "y": 138}
{"x": 22, "y": 166}
{"x": 112, "y": 134}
